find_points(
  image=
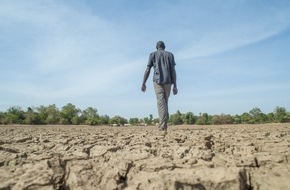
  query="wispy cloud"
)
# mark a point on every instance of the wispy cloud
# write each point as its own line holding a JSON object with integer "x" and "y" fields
{"x": 81, "y": 51}
{"x": 237, "y": 29}
{"x": 228, "y": 40}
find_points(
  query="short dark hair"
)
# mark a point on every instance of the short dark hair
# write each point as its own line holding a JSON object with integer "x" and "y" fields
{"x": 160, "y": 44}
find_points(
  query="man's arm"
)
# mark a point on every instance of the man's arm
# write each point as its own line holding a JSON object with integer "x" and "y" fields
{"x": 175, "y": 91}
{"x": 146, "y": 75}
{"x": 173, "y": 75}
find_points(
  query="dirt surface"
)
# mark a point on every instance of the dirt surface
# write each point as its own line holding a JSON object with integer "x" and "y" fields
{"x": 188, "y": 157}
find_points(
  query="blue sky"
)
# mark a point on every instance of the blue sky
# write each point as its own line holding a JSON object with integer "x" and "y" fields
{"x": 231, "y": 56}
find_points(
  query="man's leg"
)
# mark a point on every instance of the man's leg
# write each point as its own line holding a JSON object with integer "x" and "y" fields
{"x": 162, "y": 94}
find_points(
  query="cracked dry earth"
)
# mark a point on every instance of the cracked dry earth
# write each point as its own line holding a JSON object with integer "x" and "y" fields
{"x": 242, "y": 157}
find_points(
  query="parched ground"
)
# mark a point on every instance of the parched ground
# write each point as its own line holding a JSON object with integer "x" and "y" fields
{"x": 188, "y": 157}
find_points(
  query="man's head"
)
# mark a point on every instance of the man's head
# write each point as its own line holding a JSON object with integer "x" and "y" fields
{"x": 160, "y": 45}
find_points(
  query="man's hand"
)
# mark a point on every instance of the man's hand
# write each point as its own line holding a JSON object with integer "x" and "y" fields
{"x": 175, "y": 91}
{"x": 143, "y": 88}
{"x": 146, "y": 75}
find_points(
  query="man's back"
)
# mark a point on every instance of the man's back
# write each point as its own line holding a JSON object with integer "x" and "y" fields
{"x": 163, "y": 63}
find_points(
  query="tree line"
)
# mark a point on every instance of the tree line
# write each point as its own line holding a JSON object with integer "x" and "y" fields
{"x": 71, "y": 115}
{"x": 254, "y": 116}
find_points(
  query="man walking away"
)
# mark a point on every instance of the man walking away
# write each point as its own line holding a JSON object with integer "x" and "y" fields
{"x": 163, "y": 77}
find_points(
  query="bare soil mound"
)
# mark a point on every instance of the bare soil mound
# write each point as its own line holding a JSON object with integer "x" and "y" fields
{"x": 188, "y": 157}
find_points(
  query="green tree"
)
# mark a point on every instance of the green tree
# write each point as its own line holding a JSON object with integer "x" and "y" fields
{"x": 176, "y": 119}
{"x": 134, "y": 121}
{"x": 279, "y": 113}
{"x": 286, "y": 118}
{"x": 237, "y": 119}
{"x": 2, "y": 117}
{"x": 32, "y": 117}
{"x": 247, "y": 118}
{"x": 203, "y": 119}
{"x": 90, "y": 116}
{"x": 148, "y": 120}
{"x": 270, "y": 117}
{"x": 263, "y": 118}
{"x": 69, "y": 114}
{"x": 256, "y": 114}
{"x": 104, "y": 120}
{"x": 188, "y": 118}
{"x": 42, "y": 112}
{"x": 14, "y": 115}
{"x": 118, "y": 120}
{"x": 49, "y": 115}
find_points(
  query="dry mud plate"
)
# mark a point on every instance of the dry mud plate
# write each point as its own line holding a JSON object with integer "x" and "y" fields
{"x": 188, "y": 157}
